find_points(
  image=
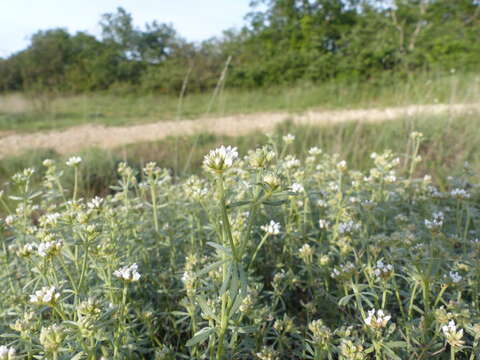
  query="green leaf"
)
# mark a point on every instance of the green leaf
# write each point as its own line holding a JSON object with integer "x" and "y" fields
{"x": 238, "y": 204}
{"x": 210, "y": 267}
{"x": 200, "y": 336}
{"x": 274, "y": 202}
{"x": 80, "y": 355}
{"x": 68, "y": 323}
{"x": 226, "y": 280}
{"x": 396, "y": 344}
{"x": 220, "y": 248}
{"x": 179, "y": 313}
{"x": 390, "y": 353}
{"x": 344, "y": 300}
{"x": 206, "y": 308}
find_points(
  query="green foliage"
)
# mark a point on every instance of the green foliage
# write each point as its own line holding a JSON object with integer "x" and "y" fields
{"x": 263, "y": 256}
{"x": 283, "y": 42}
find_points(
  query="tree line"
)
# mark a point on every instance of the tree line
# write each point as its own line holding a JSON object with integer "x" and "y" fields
{"x": 283, "y": 41}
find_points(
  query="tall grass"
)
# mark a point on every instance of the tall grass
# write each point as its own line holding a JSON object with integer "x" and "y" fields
{"x": 124, "y": 109}
{"x": 449, "y": 142}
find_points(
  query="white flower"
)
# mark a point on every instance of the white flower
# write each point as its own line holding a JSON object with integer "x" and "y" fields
{"x": 187, "y": 277}
{"x": 453, "y": 336}
{"x": 95, "y": 203}
{"x": 343, "y": 271}
{"x": 10, "y": 219}
{"x": 272, "y": 181}
{"x": 272, "y": 228}
{"x": 436, "y": 222}
{"x": 260, "y": 158}
{"x": 48, "y": 162}
{"x": 49, "y": 248}
{"x": 50, "y": 219}
{"x": 306, "y": 253}
{"x": 128, "y": 273}
{"x": 342, "y": 165}
{"x": 7, "y": 353}
{"x": 26, "y": 250}
{"x": 416, "y": 135}
{"x": 454, "y": 276}
{"x": 459, "y": 194}
{"x": 188, "y": 280}
{"x": 322, "y": 203}
{"x": 220, "y": 159}
{"x": 390, "y": 179}
{"x": 314, "y": 151}
{"x": 291, "y": 162}
{"x": 382, "y": 270}
{"x": 297, "y": 188}
{"x": 324, "y": 224}
{"x": 348, "y": 227}
{"x": 377, "y": 319}
{"x": 74, "y": 161}
{"x": 46, "y": 295}
{"x": 288, "y": 139}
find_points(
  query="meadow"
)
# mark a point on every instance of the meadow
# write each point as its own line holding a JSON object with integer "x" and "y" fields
{"x": 33, "y": 112}
{"x": 335, "y": 241}
{"x": 262, "y": 255}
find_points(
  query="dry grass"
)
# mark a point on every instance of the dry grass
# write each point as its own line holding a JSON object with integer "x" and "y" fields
{"x": 77, "y": 138}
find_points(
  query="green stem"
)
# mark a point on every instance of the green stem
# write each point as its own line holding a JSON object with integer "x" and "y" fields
{"x": 412, "y": 298}
{"x": 75, "y": 187}
{"x": 256, "y": 251}
{"x": 452, "y": 352}
{"x": 154, "y": 204}
{"x": 226, "y": 223}
{"x": 84, "y": 266}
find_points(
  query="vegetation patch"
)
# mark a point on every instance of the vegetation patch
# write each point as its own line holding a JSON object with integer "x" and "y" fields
{"x": 262, "y": 255}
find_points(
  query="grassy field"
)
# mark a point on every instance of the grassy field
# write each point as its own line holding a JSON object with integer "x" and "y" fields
{"x": 348, "y": 241}
{"x": 449, "y": 142}
{"x": 20, "y": 113}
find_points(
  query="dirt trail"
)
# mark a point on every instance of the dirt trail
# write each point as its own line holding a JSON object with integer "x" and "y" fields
{"x": 75, "y": 138}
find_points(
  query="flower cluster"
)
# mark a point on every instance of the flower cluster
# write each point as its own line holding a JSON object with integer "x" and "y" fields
{"x": 377, "y": 319}
{"x": 220, "y": 159}
{"x": 297, "y": 188}
{"x": 128, "y": 273}
{"x": 453, "y": 336}
{"x": 436, "y": 222}
{"x": 323, "y": 224}
{"x": 460, "y": 194}
{"x": 74, "y": 161}
{"x": 272, "y": 228}
{"x": 288, "y": 139}
{"x": 51, "y": 337}
{"x": 45, "y": 296}
{"x": 7, "y": 353}
{"x": 383, "y": 271}
{"x": 260, "y": 158}
{"x": 343, "y": 271}
{"x": 348, "y": 227}
{"x": 453, "y": 277}
{"x": 306, "y": 253}
{"x": 49, "y": 248}
{"x": 320, "y": 332}
{"x": 272, "y": 181}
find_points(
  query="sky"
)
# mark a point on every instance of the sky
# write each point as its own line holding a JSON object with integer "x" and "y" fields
{"x": 195, "y": 20}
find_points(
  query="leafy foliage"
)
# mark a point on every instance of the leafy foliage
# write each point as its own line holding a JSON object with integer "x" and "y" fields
{"x": 265, "y": 257}
{"x": 283, "y": 42}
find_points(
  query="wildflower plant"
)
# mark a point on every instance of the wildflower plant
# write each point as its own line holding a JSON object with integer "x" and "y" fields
{"x": 273, "y": 255}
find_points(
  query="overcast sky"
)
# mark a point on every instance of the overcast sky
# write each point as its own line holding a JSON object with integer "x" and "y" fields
{"x": 193, "y": 19}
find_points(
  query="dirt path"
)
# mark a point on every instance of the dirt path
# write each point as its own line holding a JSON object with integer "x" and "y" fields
{"x": 75, "y": 138}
